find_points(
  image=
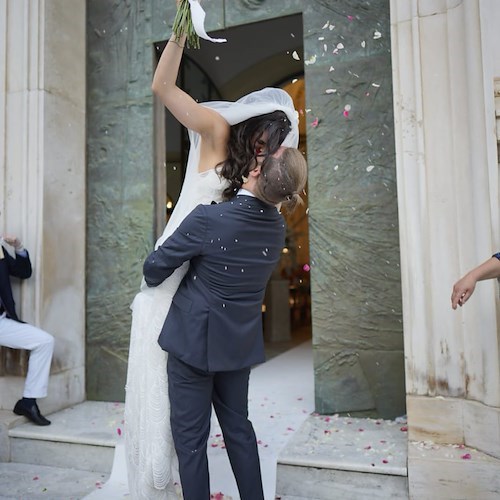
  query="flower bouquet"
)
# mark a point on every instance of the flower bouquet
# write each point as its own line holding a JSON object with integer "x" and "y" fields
{"x": 190, "y": 20}
{"x": 183, "y": 24}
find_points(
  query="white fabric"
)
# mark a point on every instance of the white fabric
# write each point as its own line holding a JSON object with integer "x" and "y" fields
{"x": 41, "y": 344}
{"x": 198, "y": 18}
{"x": 151, "y": 460}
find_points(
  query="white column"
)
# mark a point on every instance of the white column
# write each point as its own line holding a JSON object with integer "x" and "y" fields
{"x": 42, "y": 155}
{"x": 445, "y": 61}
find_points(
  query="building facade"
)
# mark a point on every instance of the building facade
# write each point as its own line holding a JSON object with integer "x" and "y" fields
{"x": 401, "y": 106}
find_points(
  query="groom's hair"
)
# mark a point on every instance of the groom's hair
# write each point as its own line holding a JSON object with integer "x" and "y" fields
{"x": 282, "y": 179}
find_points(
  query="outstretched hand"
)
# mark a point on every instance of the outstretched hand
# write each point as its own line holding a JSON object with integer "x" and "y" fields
{"x": 462, "y": 290}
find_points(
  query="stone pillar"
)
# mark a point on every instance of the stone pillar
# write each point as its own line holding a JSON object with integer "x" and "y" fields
{"x": 42, "y": 150}
{"x": 445, "y": 61}
{"x": 355, "y": 276}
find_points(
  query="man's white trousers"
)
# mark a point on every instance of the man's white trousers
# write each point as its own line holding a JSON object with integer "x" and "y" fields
{"x": 41, "y": 346}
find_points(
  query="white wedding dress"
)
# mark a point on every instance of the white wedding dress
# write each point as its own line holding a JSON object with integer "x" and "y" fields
{"x": 150, "y": 454}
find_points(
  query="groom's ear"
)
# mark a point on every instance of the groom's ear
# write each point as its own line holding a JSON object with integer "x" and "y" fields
{"x": 255, "y": 172}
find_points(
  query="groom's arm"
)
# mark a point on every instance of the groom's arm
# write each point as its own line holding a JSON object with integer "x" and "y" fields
{"x": 185, "y": 243}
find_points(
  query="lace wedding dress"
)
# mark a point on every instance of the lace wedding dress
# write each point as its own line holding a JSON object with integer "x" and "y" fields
{"x": 150, "y": 455}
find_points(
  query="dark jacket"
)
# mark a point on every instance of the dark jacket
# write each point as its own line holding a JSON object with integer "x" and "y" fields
{"x": 20, "y": 267}
{"x": 215, "y": 320}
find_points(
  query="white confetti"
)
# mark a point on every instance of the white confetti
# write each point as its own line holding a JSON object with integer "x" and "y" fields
{"x": 311, "y": 60}
{"x": 330, "y": 91}
{"x": 347, "y": 107}
{"x": 377, "y": 35}
{"x": 336, "y": 167}
{"x": 340, "y": 45}
{"x": 331, "y": 68}
{"x": 363, "y": 44}
{"x": 326, "y": 25}
{"x": 369, "y": 168}
{"x": 295, "y": 55}
{"x": 377, "y": 85}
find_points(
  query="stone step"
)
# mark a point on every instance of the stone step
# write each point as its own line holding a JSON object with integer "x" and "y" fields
{"x": 37, "y": 482}
{"x": 342, "y": 457}
{"x": 82, "y": 437}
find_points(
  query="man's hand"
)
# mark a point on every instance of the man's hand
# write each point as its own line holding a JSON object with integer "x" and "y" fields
{"x": 13, "y": 241}
{"x": 462, "y": 290}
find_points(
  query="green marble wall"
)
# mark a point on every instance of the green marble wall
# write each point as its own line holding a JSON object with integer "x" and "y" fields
{"x": 357, "y": 328}
{"x": 356, "y": 294}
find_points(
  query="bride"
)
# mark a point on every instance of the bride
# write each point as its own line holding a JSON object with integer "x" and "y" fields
{"x": 226, "y": 139}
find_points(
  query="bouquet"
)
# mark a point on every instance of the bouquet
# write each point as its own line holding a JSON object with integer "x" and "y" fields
{"x": 190, "y": 20}
{"x": 183, "y": 24}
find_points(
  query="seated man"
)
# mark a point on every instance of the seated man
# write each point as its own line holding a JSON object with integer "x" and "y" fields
{"x": 18, "y": 335}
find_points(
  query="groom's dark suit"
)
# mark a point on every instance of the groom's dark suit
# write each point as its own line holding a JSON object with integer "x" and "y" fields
{"x": 213, "y": 331}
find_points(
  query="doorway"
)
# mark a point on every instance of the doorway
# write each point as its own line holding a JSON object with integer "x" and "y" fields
{"x": 227, "y": 72}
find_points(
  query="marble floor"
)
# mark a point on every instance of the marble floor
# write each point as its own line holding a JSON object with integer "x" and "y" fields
{"x": 281, "y": 399}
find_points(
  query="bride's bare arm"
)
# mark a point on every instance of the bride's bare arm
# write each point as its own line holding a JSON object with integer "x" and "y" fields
{"x": 207, "y": 122}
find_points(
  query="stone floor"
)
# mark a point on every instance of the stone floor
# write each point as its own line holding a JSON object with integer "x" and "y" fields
{"x": 281, "y": 402}
{"x": 281, "y": 398}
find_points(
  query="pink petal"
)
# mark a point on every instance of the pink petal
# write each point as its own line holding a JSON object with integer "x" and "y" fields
{"x": 345, "y": 113}
{"x": 315, "y": 122}
{"x": 36, "y": 478}
{"x": 368, "y": 447}
{"x": 385, "y": 461}
{"x": 467, "y": 456}
{"x": 404, "y": 429}
{"x": 119, "y": 431}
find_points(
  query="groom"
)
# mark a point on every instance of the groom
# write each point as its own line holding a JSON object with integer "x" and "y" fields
{"x": 213, "y": 331}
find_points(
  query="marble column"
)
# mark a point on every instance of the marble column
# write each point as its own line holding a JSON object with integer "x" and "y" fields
{"x": 353, "y": 220}
{"x": 42, "y": 150}
{"x": 445, "y": 62}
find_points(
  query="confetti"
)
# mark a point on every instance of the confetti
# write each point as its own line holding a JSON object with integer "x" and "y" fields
{"x": 330, "y": 91}
{"x": 377, "y": 35}
{"x": 311, "y": 60}
{"x": 295, "y": 55}
{"x": 467, "y": 456}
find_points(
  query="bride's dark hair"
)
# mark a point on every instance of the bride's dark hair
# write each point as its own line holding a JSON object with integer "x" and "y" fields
{"x": 243, "y": 145}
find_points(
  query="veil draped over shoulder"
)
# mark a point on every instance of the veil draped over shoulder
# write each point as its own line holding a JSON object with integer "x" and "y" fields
{"x": 150, "y": 455}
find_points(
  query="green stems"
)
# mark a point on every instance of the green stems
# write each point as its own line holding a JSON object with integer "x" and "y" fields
{"x": 183, "y": 24}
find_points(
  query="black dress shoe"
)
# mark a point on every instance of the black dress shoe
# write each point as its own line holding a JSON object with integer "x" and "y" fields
{"x": 31, "y": 411}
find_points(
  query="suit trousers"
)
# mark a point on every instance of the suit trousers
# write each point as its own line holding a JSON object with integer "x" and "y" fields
{"x": 192, "y": 393}
{"x": 41, "y": 346}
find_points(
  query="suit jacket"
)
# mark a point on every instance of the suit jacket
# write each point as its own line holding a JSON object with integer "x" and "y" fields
{"x": 20, "y": 267}
{"x": 215, "y": 320}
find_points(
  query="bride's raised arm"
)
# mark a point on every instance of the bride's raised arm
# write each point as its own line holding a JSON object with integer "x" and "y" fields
{"x": 207, "y": 122}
